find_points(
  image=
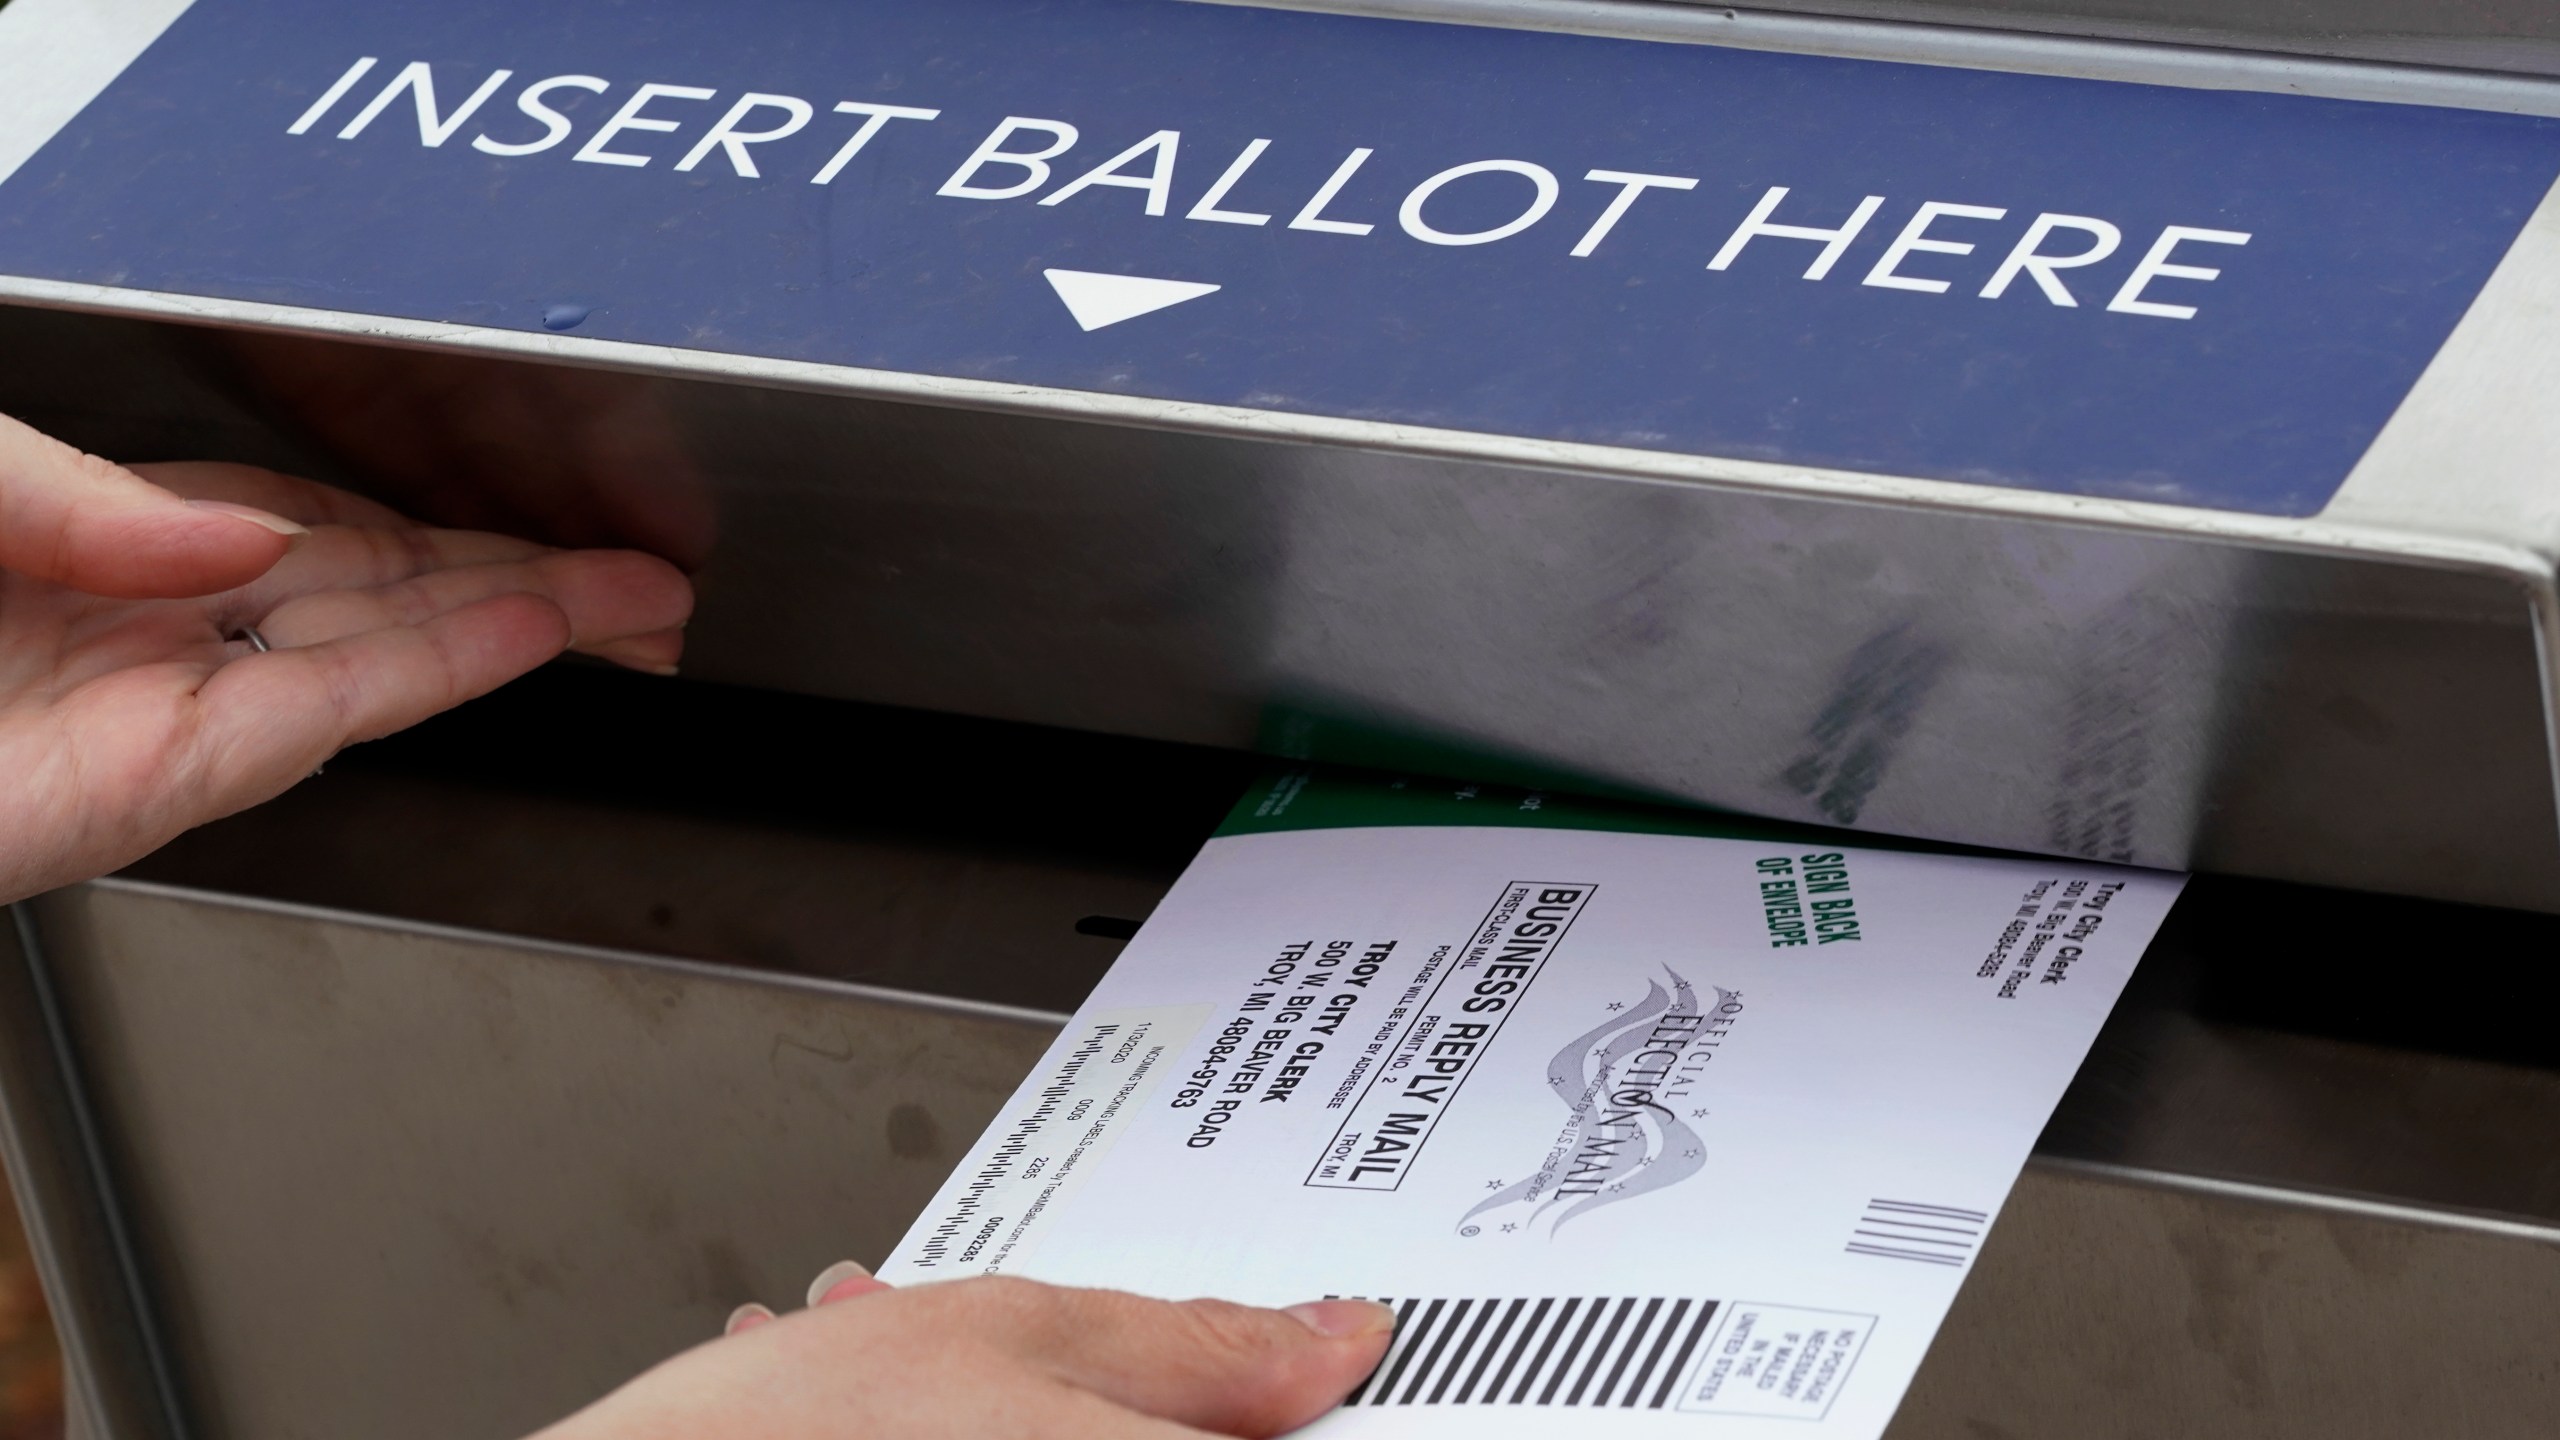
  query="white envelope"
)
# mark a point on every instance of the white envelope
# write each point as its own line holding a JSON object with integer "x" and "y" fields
{"x": 1680, "y": 1127}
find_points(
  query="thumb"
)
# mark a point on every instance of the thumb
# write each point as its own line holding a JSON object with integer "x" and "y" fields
{"x": 99, "y": 528}
{"x": 1230, "y": 1369}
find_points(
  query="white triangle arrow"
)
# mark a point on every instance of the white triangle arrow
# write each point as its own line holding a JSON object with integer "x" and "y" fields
{"x": 1097, "y": 300}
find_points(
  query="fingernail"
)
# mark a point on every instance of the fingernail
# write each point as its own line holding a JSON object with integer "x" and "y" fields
{"x": 253, "y": 515}
{"x": 746, "y": 1317}
{"x": 1345, "y": 1319}
{"x": 640, "y": 653}
{"x": 833, "y": 1276}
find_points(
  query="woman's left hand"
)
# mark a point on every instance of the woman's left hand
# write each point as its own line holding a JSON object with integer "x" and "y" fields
{"x": 132, "y": 707}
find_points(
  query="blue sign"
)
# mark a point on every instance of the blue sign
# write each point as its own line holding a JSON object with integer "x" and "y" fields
{"x": 2200, "y": 297}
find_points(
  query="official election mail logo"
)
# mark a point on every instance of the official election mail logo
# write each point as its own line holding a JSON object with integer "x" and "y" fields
{"x": 1448, "y": 1034}
{"x": 1631, "y": 1087}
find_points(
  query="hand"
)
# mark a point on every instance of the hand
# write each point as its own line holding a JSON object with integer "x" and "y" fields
{"x": 130, "y": 709}
{"x": 999, "y": 1357}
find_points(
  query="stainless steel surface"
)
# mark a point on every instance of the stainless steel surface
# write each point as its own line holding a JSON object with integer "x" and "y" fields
{"x": 2361, "y": 698}
{"x": 2181, "y": 702}
{"x": 2275, "y": 1035}
{"x": 2396, "y": 1101}
{"x": 388, "y": 1178}
{"x": 924, "y": 916}
{"x": 804, "y": 837}
{"x": 2513, "y": 35}
{"x": 395, "y": 1181}
{"x": 115, "y": 1372}
{"x": 2101, "y": 1310}
{"x": 2495, "y": 54}
{"x": 357, "y": 1176}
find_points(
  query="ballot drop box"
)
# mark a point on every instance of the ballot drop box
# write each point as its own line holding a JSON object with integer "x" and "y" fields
{"x": 2128, "y": 432}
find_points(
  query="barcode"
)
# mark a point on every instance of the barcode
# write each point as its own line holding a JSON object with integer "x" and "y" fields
{"x": 1628, "y": 1351}
{"x": 1908, "y": 1230}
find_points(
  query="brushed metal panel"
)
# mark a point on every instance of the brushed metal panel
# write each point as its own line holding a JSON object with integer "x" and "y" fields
{"x": 397, "y": 1181}
{"x": 2101, "y": 1310}
{"x": 2522, "y": 36}
{"x": 2275, "y": 1035}
{"x": 2184, "y": 702}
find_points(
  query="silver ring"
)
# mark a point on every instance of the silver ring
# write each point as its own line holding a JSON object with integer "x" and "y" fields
{"x": 256, "y": 641}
